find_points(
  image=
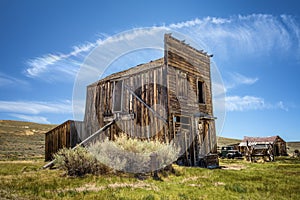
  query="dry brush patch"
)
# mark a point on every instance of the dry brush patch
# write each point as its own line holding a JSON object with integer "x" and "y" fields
{"x": 133, "y": 155}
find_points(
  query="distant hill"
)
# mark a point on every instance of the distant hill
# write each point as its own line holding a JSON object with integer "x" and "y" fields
{"x": 223, "y": 141}
{"x": 22, "y": 140}
{"x": 21, "y": 127}
{"x": 26, "y": 140}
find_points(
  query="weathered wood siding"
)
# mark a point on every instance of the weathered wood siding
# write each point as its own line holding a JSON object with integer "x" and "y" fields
{"x": 149, "y": 84}
{"x": 186, "y": 67}
{"x": 186, "y": 64}
{"x": 170, "y": 86}
{"x": 280, "y": 147}
{"x": 90, "y": 119}
{"x": 64, "y": 135}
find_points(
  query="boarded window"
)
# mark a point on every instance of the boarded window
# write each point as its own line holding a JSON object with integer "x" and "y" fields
{"x": 118, "y": 93}
{"x": 201, "y": 98}
{"x": 182, "y": 84}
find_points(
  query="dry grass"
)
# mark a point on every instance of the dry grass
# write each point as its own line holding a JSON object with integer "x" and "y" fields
{"x": 22, "y": 140}
{"x": 24, "y": 179}
{"x": 270, "y": 180}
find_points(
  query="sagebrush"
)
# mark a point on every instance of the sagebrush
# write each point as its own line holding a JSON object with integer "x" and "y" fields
{"x": 79, "y": 162}
{"x": 134, "y": 155}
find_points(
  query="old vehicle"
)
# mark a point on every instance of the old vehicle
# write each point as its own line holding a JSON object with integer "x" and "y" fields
{"x": 224, "y": 151}
{"x": 233, "y": 154}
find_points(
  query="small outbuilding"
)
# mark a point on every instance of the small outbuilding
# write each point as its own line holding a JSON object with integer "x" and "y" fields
{"x": 277, "y": 143}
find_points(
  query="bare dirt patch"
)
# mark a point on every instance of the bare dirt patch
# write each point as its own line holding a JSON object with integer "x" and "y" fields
{"x": 219, "y": 183}
{"x": 193, "y": 178}
{"x": 233, "y": 167}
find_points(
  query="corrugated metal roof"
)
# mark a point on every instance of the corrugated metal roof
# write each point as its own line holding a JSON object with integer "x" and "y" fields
{"x": 243, "y": 144}
{"x": 258, "y": 140}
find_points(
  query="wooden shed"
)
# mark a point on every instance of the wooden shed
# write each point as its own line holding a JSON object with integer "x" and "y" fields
{"x": 278, "y": 145}
{"x": 164, "y": 99}
{"x": 64, "y": 135}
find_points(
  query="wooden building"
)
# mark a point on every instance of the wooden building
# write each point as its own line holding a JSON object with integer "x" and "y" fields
{"x": 276, "y": 143}
{"x": 64, "y": 135}
{"x": 169, "y": 99}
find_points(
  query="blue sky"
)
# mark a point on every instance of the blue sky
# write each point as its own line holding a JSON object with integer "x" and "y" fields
{"x": 256, "y": 47}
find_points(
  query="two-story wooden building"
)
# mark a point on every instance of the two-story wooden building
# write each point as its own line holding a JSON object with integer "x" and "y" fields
{"x": 169, "y": 99}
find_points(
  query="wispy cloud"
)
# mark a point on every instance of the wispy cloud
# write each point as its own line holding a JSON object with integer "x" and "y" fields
{"x": 37, "y": 119}
{"x": 6, "y": 80}
{"x": 246, "y": 103}
{"x": 251, "y": 34}
{"x": 235, "y": 79}
{"x": 59, "y": 66}
{"x": 197, "y": 22}
{"x": 35, "y": 107}
{"x": 65, "y": 66}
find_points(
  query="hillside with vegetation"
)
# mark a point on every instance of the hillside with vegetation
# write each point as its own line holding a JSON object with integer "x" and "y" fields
{"x": 22, "y": 140}
{"x": 223, "y": 141}
{"x": 26, "y": 140}
{"x": 22, "y": 176}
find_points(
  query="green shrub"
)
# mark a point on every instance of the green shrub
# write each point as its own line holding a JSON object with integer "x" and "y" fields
{"x": 133, "y": 155}
{"x": 79, "y": 162}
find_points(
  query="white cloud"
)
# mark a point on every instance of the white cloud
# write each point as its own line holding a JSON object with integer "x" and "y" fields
{"x": 281, "y": 106}
{"x": 197, "y": 22}
{"x": 36, "y": 119}
{"x": 255, "y": 34}
{"x": 237, "y": 103}
{"x": 235, "y": 79}
{"x": 6, "y": 80}
{"x": 251, "y": 34}
{"x": 35, "y": 107}
{"x": 58, "y": 65}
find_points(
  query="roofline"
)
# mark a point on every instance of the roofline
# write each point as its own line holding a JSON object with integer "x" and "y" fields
{"x": 120, "y": 74}
{"x": 131, "y": 71}
{"x": 256, "y": 138}
{"x": 187, "y": 45}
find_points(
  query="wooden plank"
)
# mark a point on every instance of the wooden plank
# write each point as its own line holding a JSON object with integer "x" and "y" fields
{"x": 155, "y": 102}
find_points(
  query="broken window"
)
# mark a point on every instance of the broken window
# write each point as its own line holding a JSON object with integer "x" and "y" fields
{"x": 118, "y": 94}
{"x": 201, "y": 98}
{"x": 183, "y": 121}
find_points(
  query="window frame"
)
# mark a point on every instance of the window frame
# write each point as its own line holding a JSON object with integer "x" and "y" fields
{"x": 120, "y": 98}
{"x": 203, "y": 96}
